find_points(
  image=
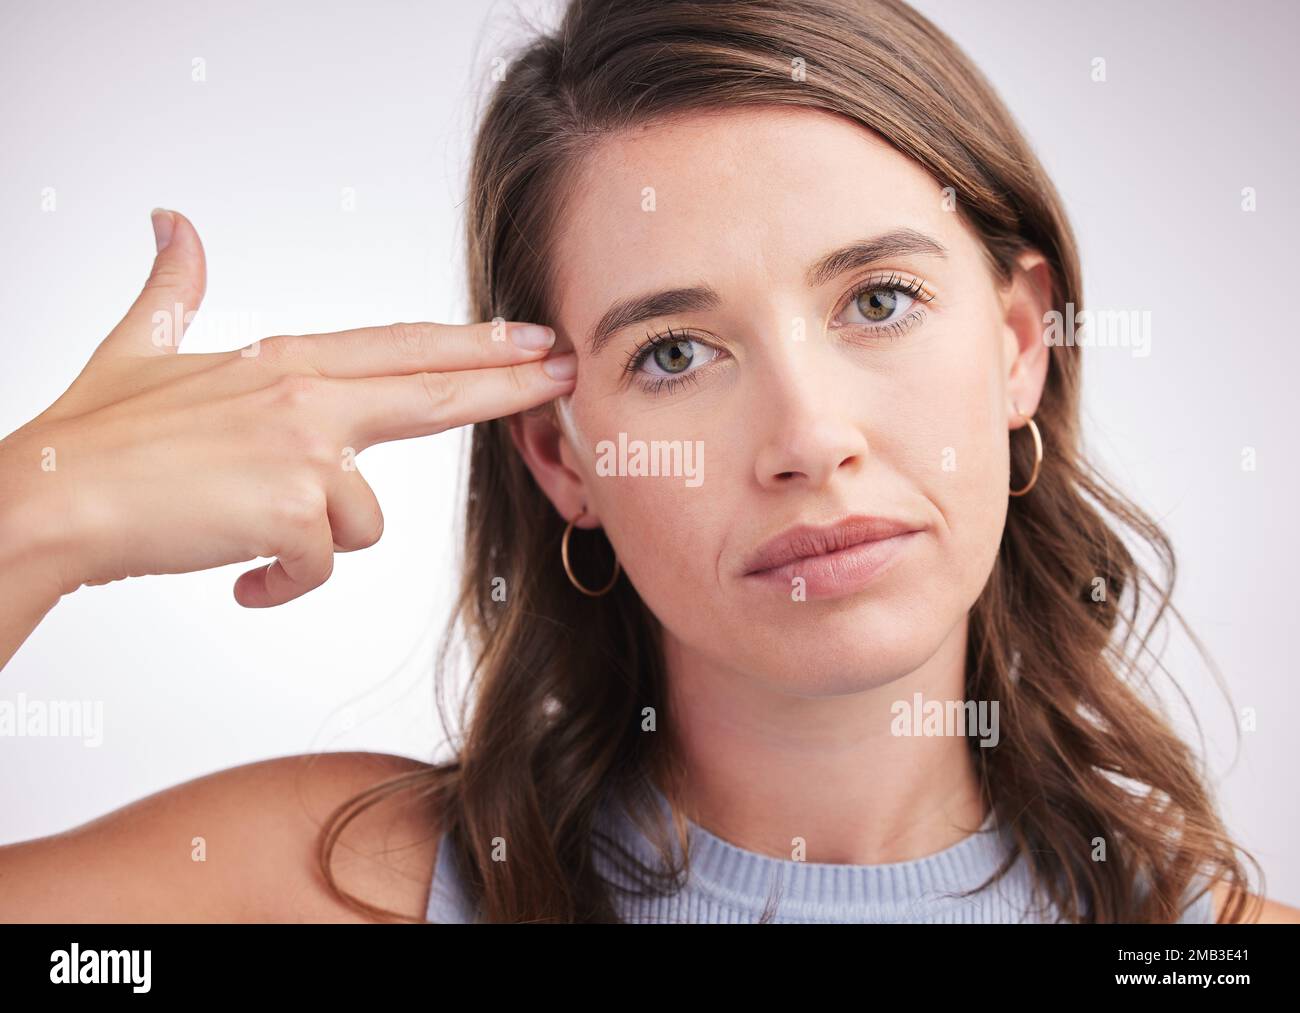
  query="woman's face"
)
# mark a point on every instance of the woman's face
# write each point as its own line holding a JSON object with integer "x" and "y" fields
{"x": 792, "y": 390}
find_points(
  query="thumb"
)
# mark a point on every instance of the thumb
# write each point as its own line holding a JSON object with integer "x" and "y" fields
{"x": 160, "y": 315}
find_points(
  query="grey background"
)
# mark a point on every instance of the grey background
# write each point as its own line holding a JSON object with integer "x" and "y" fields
{"x": 301, "y": 100}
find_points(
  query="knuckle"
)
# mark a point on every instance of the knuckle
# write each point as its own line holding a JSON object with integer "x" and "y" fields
{"x": 300, "y": 507}
{"x": 439, "y": 389}
{"x": 280, "y": 348}
{"x": 295, "y": 390}
{"x": 409, "y": 342}
{"x": 296, "y": 430}
{"x": 317, "y": 448}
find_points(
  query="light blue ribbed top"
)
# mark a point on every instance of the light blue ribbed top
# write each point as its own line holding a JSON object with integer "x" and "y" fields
{"x": 731, "y": 884}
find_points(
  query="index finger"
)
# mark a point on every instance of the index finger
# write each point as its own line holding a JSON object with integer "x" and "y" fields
{"x": 404, "y": 348}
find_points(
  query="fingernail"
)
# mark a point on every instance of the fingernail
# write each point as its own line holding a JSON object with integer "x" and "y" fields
{"x": 163, "y": 222}
{"x": 532, "y": 336}
{"x": 561, "y": 367}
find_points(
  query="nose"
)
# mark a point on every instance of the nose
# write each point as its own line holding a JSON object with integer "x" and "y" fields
{"x": 808, "y": 430}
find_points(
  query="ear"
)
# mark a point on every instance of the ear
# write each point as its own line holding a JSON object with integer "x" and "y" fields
{"x": 540, "y": 436}
{"x": 1026, "y": 299}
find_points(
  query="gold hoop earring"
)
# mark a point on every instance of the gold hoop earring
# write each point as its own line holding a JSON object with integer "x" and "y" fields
{"x": 568, "y": 568}
{"x": 1038, "y": 453}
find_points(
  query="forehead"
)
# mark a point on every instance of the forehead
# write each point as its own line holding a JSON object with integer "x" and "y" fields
{"x": 729, "y": 198}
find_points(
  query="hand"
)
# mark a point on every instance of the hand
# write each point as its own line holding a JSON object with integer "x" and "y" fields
{"x": 155, "y": 462}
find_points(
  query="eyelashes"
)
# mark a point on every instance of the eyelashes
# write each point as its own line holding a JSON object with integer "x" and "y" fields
{"x": 652, "y": 346}
{"x": 916, "y": 293}
{"x": 913, "y": 288}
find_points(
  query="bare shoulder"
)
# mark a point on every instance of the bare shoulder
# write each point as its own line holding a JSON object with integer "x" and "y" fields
{"x": 240, "y": 844}
{"x": 1271, "y": 912}
{"x": 384, "y": 856}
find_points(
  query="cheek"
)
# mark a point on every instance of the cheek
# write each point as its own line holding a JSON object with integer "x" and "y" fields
{"x": 668, "y": 530}
{"x": 967, "y": 437}
{"x": 667, "y": 539}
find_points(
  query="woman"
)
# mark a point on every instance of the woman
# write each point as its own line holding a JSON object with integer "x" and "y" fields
{"x": 800, "y": 259}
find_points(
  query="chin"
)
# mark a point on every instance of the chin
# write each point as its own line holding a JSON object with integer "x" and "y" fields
{"x": 846, "y": 651}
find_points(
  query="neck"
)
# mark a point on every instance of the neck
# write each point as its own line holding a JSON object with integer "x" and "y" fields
{"x": 764, "y": 766}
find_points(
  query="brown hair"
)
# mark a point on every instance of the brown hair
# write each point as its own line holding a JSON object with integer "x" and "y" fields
{"x": 559, "y": 680}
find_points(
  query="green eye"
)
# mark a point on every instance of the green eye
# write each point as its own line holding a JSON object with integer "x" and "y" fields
{"x": 674, "y": 356}
{"x": 665, "y": 361}
{"x": 876, "y": 304}
{"x": 884, "y": 302}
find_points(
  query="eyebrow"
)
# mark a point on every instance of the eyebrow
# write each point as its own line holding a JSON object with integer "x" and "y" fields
{"x": 696, "y": 298}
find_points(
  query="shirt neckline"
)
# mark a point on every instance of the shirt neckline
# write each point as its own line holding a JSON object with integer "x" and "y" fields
{"x": 746, "y": 880}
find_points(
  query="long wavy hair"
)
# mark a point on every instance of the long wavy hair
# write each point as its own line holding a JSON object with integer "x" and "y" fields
{"x": 558, "y": 681}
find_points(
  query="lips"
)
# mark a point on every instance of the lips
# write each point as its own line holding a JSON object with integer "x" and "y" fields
{"x": 806, "y": 541}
